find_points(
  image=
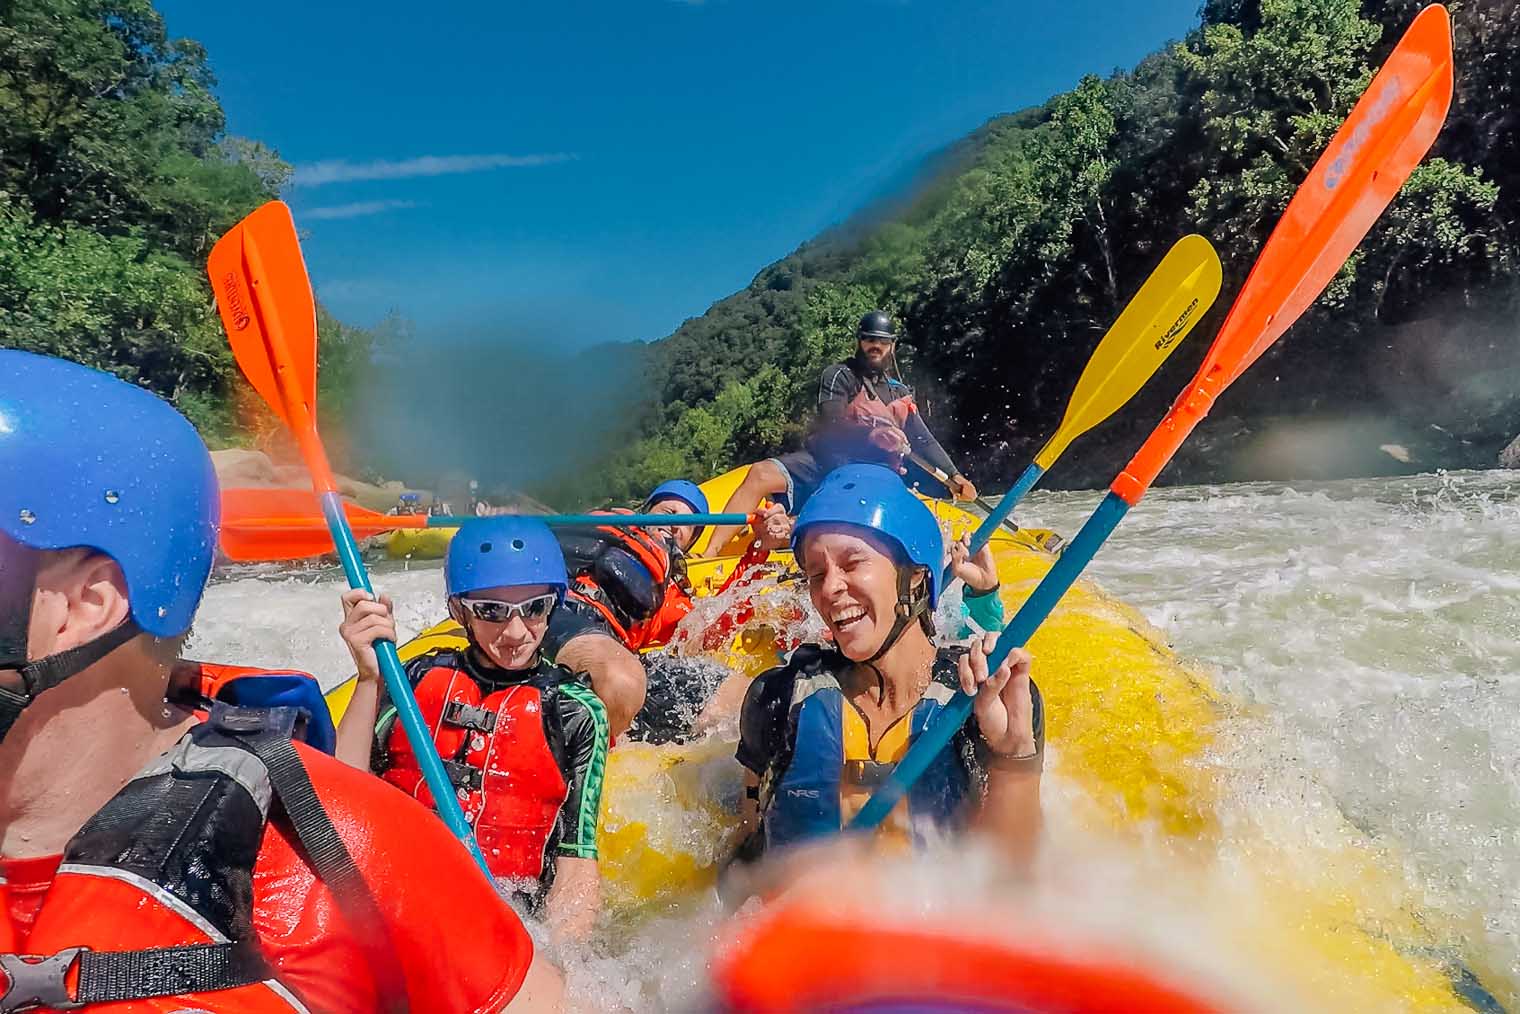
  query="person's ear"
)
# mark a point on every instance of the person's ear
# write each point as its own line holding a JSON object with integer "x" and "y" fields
{"x": 81, "y": 596}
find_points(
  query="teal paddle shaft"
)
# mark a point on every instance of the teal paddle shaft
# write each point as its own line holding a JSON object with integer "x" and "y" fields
{"x": 444, "y": 800}
{"x": 605, "y": 520}
{"x": 998, "y": 515}
{"x": 1077, "y": 555}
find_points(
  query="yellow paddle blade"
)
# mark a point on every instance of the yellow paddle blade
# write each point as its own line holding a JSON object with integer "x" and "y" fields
{"x": 1172, "y": 300}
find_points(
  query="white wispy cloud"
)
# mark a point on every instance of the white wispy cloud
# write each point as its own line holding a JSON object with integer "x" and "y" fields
{"x": 340, "y": 170}
{"x": 356, "y": 210}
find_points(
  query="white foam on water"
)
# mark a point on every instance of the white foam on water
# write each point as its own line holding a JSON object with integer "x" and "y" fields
{"x": 1376, "y": 622}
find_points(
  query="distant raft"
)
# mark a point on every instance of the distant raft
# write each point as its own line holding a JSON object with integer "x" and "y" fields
{"x": 418, "y": 543}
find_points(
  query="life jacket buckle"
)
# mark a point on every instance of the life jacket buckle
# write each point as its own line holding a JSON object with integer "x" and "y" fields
{"x": 866, "y": 774}
{"x": 35, "y": 983}
{"x": 468, "y": 716}
{"x": 241, "y": 721}
{"x": 463, "y": 776}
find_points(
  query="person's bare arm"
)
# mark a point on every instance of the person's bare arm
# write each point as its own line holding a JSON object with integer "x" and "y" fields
{"x": 617, "y": 675}
{"x": 1005, "y": 717}
{"x": 542, "y": 991}
{"x": 365, "y": 621}
{"x": 574, "y": 899}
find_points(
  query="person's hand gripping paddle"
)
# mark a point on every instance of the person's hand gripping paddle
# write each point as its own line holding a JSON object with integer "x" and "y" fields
{"x": 266, "y": 305}
{"x": 1391, "y": 128}
{"x": 1170, "y": 302}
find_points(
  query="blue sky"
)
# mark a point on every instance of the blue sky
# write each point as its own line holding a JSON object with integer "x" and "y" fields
{"x": 579, "y": 171}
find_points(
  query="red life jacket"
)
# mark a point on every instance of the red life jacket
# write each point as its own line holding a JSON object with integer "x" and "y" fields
{"x": 152, "y": 908}
{"x": 797, "y": 958}
{"x": 657, "y": 630}
{"x": 868, "y": 409}
{"x": 497, "y": 754}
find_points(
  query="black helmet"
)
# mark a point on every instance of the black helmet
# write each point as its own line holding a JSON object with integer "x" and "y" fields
{"x": 877, "y": 324}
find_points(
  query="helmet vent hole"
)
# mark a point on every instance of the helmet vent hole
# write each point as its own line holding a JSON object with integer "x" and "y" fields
{"x": 849, "y": 485}
{"x": 27, "y": 517}
{"x": 518, "y": 544}
{"x": 485, "y": 547}
{"x": 112, "y": 496}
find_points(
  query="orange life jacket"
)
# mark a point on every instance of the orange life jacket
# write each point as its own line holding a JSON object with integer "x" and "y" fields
{"x": 151, "y": 911}
{"x": 622, "y": 573}
{"x": 657, "y": 630}
{"x": 494, "y": 748}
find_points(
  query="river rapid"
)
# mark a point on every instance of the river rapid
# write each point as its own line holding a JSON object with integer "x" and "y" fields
{"x": 1367, "y": 629}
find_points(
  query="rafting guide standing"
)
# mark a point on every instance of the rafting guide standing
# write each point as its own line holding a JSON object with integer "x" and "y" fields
{"x": 864, "y": 415}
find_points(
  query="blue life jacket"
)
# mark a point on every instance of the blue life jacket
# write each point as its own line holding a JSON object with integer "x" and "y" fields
{"x": 822, "y": 768}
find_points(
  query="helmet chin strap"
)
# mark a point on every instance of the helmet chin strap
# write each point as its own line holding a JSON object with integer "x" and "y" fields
{"x": 911, "y": 605}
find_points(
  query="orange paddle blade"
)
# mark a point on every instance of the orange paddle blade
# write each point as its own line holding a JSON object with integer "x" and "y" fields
{"x": 260, "y": 525}
{"x": 1387, "y": 134}
{"x": 265, "y": 301}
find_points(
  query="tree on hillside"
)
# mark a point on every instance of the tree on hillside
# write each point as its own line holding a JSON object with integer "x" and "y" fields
{"x": 116, "y": 177}
{"x": 1009, "y": 266}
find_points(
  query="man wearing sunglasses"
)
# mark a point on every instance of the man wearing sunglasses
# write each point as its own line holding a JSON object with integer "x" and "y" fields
{"x": 865, "y": 414}
{"x": 523, "y": 740}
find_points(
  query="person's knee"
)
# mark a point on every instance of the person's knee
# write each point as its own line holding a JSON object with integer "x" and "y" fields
{"x": 767, "y": 476}
{"x": 617, "y": 675}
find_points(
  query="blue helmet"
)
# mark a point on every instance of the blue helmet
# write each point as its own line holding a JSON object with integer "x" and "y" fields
{"x": 504, "y": 551}
{"x": 873, "y": 498}
{"x": 683, "y": 490}
{"x": 92, "y": 461}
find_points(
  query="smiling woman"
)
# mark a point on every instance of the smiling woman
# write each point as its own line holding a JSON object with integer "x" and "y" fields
{"x": 817, "y": 733}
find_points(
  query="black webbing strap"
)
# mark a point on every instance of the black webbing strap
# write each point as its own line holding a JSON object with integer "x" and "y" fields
{"x": 333, "y": 864}
{"x": 116, "y": 976}
{"x": 167, "y": 971}
{"x": 47, "y": 673}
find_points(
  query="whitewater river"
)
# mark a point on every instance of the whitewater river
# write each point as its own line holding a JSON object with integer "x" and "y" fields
{"x": 1368, "y": 630}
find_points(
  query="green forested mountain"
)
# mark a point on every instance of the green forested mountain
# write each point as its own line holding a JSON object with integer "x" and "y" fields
{"x": 1008, "y": 266}
{"x": 116, "y": 177}
{"x": 1005, "y": 264}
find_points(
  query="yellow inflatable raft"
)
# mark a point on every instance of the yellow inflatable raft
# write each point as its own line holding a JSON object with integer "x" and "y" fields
{"x": 1134, "y": 734}
{"x": 418, "y": 543}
